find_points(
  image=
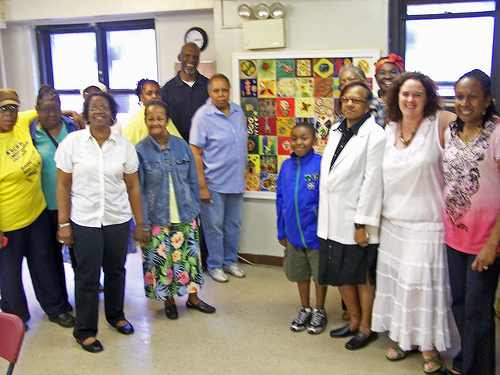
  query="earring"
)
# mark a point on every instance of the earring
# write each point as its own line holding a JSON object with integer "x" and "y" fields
{"x": 112, "y": 122}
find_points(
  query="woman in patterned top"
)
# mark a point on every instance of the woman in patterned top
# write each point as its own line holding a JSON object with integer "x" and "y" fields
{"x": 472, "y": 219}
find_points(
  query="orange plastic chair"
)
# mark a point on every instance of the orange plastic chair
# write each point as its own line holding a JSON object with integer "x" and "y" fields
{"x": 11, "y": 338}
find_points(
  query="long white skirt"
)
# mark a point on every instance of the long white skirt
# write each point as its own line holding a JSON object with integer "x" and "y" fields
{"x": 412, "y": 299}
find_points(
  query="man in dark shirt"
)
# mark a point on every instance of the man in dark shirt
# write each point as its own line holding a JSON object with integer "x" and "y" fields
{"x": 184, "y": 94}
{"x": 187, "y": 91}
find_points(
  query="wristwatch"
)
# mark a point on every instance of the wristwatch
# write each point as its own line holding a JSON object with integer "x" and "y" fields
{"x": 359, "y": 226}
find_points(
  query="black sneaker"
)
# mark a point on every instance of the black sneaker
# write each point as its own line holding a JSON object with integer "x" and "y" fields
{"x": 301, "y": 321}
{"x": 318, "y": 322}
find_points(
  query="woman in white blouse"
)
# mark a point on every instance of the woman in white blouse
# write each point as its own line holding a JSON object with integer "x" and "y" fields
{"x": 97, "y": 192}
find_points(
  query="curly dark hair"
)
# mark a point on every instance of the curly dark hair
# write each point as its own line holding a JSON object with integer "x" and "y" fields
{"x": 141, "y": 84}
{"x": 106, "y": 95}
{"x": 485, "y": 82}
{"x": 392, "y": 96}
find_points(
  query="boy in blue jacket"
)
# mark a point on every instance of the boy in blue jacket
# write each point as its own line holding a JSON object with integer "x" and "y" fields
{"x": 297, "y": 208}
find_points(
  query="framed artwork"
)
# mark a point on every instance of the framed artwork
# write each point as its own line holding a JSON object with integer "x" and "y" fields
{"x": 277, "y": 91}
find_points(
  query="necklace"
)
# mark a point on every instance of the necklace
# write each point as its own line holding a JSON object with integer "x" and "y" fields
{"x": 466, "y": 143}
{"x": 407, "y": 142}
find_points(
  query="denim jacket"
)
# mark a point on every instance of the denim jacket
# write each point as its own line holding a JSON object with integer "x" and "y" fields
{"x": 155, "y": 165}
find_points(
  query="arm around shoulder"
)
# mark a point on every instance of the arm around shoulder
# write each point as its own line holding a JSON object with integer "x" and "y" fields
{"x": 445, "y": 119}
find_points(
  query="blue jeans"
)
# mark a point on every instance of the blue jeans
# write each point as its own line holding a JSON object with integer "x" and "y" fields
{"x": 473, "y": 294}
{"x": 221, "y": 221}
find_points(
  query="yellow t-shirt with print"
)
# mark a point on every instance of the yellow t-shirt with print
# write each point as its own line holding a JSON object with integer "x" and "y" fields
{"x": 21, "y": 196}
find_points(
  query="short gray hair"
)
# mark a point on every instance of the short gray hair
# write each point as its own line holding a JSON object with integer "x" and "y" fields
{"x": 356, "y": 70}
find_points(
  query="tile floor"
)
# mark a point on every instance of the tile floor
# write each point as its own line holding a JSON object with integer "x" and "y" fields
{"x": 249, "y": 334}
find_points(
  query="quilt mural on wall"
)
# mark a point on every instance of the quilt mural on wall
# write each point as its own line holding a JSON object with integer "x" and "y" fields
{"x": 276, "y": 92}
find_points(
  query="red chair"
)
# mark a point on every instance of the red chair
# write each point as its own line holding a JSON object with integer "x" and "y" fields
{"x": 11, "y": 338}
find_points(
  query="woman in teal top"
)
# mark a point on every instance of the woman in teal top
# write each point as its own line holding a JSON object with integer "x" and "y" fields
{"x": 47, "y": 131}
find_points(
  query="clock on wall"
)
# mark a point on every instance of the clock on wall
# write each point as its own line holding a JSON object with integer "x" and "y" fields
{"x": 197, "y": 36}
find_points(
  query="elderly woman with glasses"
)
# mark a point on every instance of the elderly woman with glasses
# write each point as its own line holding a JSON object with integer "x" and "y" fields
{"x": 350, "y": 202}
{"x": 351, "y": 73}
{"x": 97, "y": 192}
{"x": 24, "y": 222}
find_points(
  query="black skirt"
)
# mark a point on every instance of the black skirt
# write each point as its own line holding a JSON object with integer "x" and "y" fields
{"x": 346, "y": 264}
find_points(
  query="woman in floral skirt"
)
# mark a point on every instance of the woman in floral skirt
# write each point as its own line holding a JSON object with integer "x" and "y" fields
{"x": 171, "y": 261}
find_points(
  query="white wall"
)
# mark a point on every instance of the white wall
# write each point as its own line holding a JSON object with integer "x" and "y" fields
{"x": 309, "y": 25}
{"x": 170, "y": 31}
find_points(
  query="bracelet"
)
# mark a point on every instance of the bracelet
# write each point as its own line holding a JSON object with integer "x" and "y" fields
{"x": 63, "y": 225}
{"x": 359, "y": 226}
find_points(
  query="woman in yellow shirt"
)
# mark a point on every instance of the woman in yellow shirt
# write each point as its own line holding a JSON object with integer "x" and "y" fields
{"x": 24, "y": 220}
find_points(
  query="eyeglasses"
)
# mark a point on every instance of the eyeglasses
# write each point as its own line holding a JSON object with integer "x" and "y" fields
{"x": 217, "y": 91}
{"x": 345, "y": 99}
{"x": 10, "y": 107}
{"x": 101, "y": 109}
{"x": 48, "y": 111}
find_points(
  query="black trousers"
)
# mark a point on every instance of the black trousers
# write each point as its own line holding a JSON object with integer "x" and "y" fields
{"x": 57, "y": 247}
{"x": 473, "y": 295}
{"x": 35, "y": 243}
{"x": 94, "y": 248}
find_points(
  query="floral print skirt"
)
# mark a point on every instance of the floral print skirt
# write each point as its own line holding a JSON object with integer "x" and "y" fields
{"x": 171, "y": 261}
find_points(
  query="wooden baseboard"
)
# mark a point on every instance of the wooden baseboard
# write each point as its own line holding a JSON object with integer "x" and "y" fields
{"x": 268, "y": 260}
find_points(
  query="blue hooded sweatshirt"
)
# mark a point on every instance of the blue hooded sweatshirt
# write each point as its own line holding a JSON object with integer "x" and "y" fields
{"x": 297, "y": 200}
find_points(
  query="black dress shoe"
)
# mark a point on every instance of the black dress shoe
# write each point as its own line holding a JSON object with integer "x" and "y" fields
{"x": 94, "y": 347}
{"x": 127, "y": 329}
{"x": 64, "y": 319}
{"x": 342, "y": 332}
{"x": 360, "y": 340}
{"x": 171, "y": 312}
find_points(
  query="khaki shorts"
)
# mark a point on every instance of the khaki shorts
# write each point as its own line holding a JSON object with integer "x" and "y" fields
{"x": 301, "y": 264}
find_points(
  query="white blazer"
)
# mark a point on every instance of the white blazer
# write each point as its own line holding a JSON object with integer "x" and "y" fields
{"x": 351, "y": 192}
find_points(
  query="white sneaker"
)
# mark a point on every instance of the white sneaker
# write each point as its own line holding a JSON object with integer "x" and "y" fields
{"x": 234, "y": 270}
{"x": 218, "y": 275}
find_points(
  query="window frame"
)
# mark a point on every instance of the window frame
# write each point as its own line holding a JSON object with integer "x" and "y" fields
{"x": 397, "y": 31}
{"x": 100, "y": 29}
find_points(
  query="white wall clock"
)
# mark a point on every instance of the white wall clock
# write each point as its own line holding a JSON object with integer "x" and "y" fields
{"x": 198, "y": 36}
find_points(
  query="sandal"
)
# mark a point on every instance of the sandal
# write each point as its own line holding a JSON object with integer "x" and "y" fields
{"x": 437, "y": 360}
{"x": 201, "y": 306}
{"x": 400, "y": 353}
